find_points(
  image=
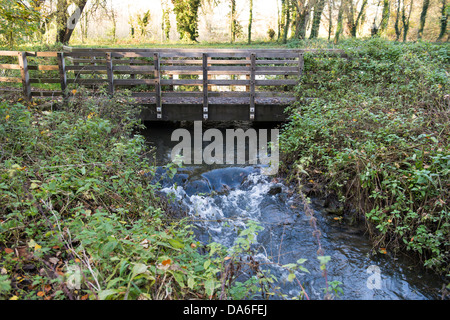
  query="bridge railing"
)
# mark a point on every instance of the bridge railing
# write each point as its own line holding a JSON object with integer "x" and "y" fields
{"x": 158, "y": 75}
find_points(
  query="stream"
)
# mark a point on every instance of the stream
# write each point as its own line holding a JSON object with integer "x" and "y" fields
{"x": 222, "y": 198}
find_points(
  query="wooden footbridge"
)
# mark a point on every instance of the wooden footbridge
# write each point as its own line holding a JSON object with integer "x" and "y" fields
{"x": 172, "y": 84}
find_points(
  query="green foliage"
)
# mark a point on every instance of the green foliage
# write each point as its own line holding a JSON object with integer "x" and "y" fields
{"x": 374, "y": 130}
{"x": 75, "y": 194}
{"x": 271, "y": 34}
{"x": 187, "y": 18}
{"x": 18, "y": 20}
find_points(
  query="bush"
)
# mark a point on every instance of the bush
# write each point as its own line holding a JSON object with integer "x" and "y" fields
{"x": 79, "y": 217}
{"x": 374, "y": 130}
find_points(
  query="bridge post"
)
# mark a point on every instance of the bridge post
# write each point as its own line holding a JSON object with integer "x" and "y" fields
{"x": 109, "y": 71}
{"x": 301, "y": 64}
{"x": 156, "y": 63}
{"x": 205, "y": 85}
{"x": 252, "y": 85}
{"x": 62, "y": 72}
{"x": 26, "y": 85}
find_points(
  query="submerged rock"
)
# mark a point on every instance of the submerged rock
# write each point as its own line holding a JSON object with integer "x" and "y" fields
{"x": 275, "y": 189}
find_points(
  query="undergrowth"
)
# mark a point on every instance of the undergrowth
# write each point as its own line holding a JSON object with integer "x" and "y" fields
{"x": 372, "y": 132}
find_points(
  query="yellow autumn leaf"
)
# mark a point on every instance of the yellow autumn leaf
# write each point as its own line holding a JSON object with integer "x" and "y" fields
{"x": 7, "y": 117}
{"x": 37, "y": 247}
{"x": 14, "y": 298}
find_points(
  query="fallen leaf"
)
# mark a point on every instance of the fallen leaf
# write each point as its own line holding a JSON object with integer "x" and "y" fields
{"x": 166, "y": 262}
{"x": 85, "y": 297}
{"x": 9, "y": 250}
{"x": 193, "y": 245}
{"x": 14, "y": 298}
{"x": 47, "y": 288}
{"x": 40, "y": 294}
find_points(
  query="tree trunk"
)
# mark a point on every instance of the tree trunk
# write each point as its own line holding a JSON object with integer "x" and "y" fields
{"x": 398, "y": 30}
{"x": 423, "y": 17}
{"x": 339, "y": 23}
{"x": 233, "y": 21}
{"x": 385, "y": 16}
{"x": 250, "y": 21}
{"x": 444, "y": 19}
{"x": 330, "y": 21}
{"x": 318, "y": 10}
{"x": 65, "y": 24}
{"x": 405, "y": 19}
{"x": 352, "y": 23}
{"x": 288, "y": 21}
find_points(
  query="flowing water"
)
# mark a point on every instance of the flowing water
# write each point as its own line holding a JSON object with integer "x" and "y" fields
{"x": 222, "y": 198}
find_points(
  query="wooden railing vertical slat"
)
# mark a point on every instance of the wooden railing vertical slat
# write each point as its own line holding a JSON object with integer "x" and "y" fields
{"x": 205, "y": 85}
{"x": 157, "y": 65}
{"x": 62, "y": 72}
{"x": 109, "y": 71}
{"x": 252, "y": 85}
{"x": 247, "y": 77}
{"x": 26, "y": 85}
{"x": 301, "y": 65}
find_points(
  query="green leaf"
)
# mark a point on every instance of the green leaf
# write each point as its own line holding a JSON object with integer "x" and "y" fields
{"x": 105, "y": 294}
{"x": 176, "y": 243}
{"x": 206, "y": 264}
{"x": 291, "y": 277}
{"x": 209, "y": 287}
{"x": 191, "y": 283}
{"x": 138, "y": 268}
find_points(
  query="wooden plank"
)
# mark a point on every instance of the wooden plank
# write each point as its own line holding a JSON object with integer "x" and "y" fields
{"x": 62, "y": 72}
{"x": 135, "y": 69}
{"x": 10, "y": 66}
{"x": 157, "y": 85}
{"x": 180, "y": 82}
{"x": 227, "y": 82}
{"x": 134, "y": 82}
{"x": 47, "y": 54}
{"x": 205, "y": 85}
{"x": 87, "y": 81}
{"x": 85, "y": 54}
{"x": 23, "y": 63}
{"x": 128, "y": 54}
{"x": 279, "y": 69}
{"x": 183, "y": 94}
{"x": 181, "y": 61}
{"x": 44, "y": 67}
{"x": 87, "y": 68}
{"x": 276, "y": 82}
{"x": 9, "y": 53}
{"x": 109, "y": 71}
{"x": 292, "y": 61}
